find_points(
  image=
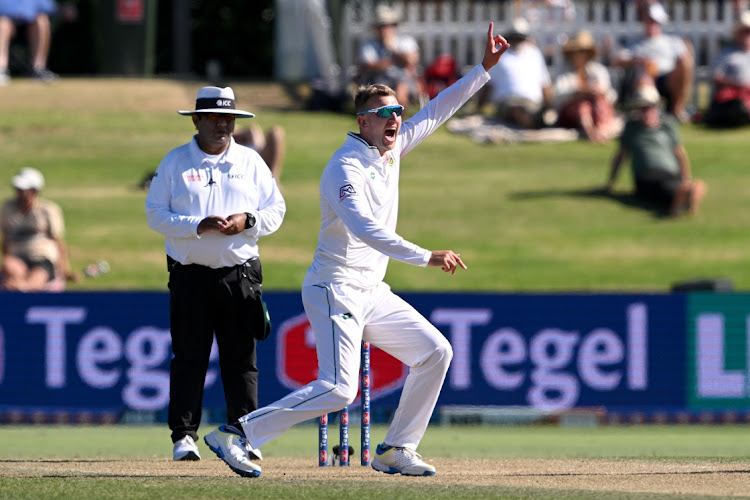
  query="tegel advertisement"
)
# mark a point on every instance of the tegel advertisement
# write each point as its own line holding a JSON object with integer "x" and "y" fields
{"x": 110, "y": 352}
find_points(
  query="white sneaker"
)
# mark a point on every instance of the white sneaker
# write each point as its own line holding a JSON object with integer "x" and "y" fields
{"x": 392, "y": 460}
{"x": 185, "y": 449}
{"x": 229, "y": 445}
{"x": 252, "y": 453}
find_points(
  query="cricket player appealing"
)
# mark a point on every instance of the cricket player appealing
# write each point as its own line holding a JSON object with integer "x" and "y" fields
{"x": 344, "y": 295}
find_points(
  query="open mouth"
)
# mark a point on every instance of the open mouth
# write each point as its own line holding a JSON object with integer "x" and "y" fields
{"x": 390, "y": 134}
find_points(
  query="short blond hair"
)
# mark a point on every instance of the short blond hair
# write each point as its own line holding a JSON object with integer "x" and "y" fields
{"x": 367, "y": 92}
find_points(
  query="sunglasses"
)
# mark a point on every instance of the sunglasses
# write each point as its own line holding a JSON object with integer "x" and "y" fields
{"x": 385, "y": 111}
{"x": 215, "y": 117}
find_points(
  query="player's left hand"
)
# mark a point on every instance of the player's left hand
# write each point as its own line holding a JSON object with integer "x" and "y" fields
{"x": 447, "y": 260}
{"x": 493, "y": 53}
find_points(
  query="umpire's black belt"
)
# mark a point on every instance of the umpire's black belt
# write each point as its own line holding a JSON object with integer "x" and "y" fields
{"x": 173, "y": 264}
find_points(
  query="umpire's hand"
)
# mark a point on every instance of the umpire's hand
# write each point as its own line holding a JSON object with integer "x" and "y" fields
{"x": 233, "y": 224}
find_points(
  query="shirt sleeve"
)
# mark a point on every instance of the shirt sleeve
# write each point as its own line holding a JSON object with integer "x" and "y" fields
{"x": 159, "y": 216}
{"x": 55, "y": 220}
{"x": 271, "y": 205}
{"x": 344, "y": 190}
{"x": 438, "y": 110}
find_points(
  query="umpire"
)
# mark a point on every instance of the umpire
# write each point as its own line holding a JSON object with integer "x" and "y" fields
{"x": 212, "y": 199}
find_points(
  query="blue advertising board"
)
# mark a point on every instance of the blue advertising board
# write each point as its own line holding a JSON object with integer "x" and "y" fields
{"x": 110, "y": 351}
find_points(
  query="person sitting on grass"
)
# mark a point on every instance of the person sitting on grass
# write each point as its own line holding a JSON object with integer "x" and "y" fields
{"x": 271, "y": 146}
{"x": 730, "y": 103}
{"x": 584, "y": 94}
{"x": 659, "y": 162}
{"x": 35, "y": 257}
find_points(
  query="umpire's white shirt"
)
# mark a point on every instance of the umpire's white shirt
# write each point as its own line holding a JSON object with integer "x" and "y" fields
{"x": 191, "y": 185}
{"x": 359, "y": 197}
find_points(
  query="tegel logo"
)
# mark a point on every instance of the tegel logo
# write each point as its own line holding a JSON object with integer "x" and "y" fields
{"x": 297, "y": 362}
{"x": 552, "y": 364}
{"x": 103, "y": 358}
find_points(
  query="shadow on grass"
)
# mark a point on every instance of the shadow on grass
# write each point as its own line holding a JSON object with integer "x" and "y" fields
{"x": 626, "y": 199}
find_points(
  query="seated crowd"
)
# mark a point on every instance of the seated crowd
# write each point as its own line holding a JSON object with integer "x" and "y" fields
{"x": 583, "y": 95}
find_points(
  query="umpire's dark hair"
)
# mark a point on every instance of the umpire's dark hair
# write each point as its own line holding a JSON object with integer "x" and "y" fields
{"x": 365, "y": 92}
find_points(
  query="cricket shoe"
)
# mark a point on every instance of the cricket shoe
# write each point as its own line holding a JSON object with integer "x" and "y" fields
{"x": 400, "y": 460}
{"x": 185, "y": 449}
{"x": 229, "y": 445}
{"x": 252, "y": 453}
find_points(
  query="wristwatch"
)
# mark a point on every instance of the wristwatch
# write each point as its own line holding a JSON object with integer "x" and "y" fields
{"x": 249, "y": 220}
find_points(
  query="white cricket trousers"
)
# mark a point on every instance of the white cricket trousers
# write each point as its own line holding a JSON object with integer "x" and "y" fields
{"x": 341, "y": 316}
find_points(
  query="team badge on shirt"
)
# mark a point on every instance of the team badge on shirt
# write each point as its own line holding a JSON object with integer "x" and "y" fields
{"x": 346, "y": 191}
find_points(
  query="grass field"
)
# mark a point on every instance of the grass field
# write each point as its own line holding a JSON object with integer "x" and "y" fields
{"x": 519, "y": 214}
{"x": 473, "y": 462}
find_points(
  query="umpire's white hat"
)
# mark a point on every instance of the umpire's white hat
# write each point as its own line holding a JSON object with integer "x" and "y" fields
{"x": 216, "y": 100}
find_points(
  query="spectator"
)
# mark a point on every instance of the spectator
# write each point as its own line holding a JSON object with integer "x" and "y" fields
{"x": 658, "y": 161}
{"x": 33, "y": 15}
{"x": 731, "y": 77}
{"x": 665, "y": 61}
{"x": 521, "y": 87}
{"x": 212, "y": 199}
{"x": 35, "y": 257}
{"x": 584, "y": 94}
{"x": 391, "y": 58}
{"x": 271, "y": 146}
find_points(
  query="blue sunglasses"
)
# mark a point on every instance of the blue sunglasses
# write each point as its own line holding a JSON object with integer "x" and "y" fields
{"x": 385, "y": 111}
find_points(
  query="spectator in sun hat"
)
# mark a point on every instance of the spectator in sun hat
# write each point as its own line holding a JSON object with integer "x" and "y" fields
{"x": 390, "y": 58}
{"x": 212, "y": 199}
{"x": 659, "y": 163}
{"x": 584, "y": 96}
{"x": 661, "y": 60}
{"x": 35, "y": 256}
{"x": 521, "y": 87}
{"x": 730, "y": 102}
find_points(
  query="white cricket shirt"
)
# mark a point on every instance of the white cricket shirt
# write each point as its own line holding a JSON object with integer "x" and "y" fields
{"x": 190, "y": 185}
{"x": 359, "y": 197}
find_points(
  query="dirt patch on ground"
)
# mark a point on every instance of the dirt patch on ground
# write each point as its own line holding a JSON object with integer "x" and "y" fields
{"x": 627, "y": 476}
{"x": 138, "y": 94}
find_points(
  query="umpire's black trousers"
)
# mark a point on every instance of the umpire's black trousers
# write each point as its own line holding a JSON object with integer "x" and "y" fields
{"x": 204, "y": 301}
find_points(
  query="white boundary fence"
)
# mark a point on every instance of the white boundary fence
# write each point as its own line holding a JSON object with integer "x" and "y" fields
{"x": 458, "y": 27}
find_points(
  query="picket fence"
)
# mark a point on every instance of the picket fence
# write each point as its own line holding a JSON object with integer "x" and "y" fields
{"x": 458, "y": 27}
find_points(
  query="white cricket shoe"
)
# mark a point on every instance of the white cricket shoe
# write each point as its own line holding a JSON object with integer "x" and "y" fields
{"x": 229, "y": 445}
{"x": 252, "y": 453}
{"x": 393, "y": 460}
{"x": 185, "y": 449}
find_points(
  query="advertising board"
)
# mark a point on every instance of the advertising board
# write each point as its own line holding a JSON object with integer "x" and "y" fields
{"x": 110, "y": 352}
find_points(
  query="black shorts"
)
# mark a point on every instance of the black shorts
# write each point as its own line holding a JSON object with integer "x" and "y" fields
{"x": 659, "y": 187}
{"x": 661, "y": 86}
{"x": 45, "y": 264}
